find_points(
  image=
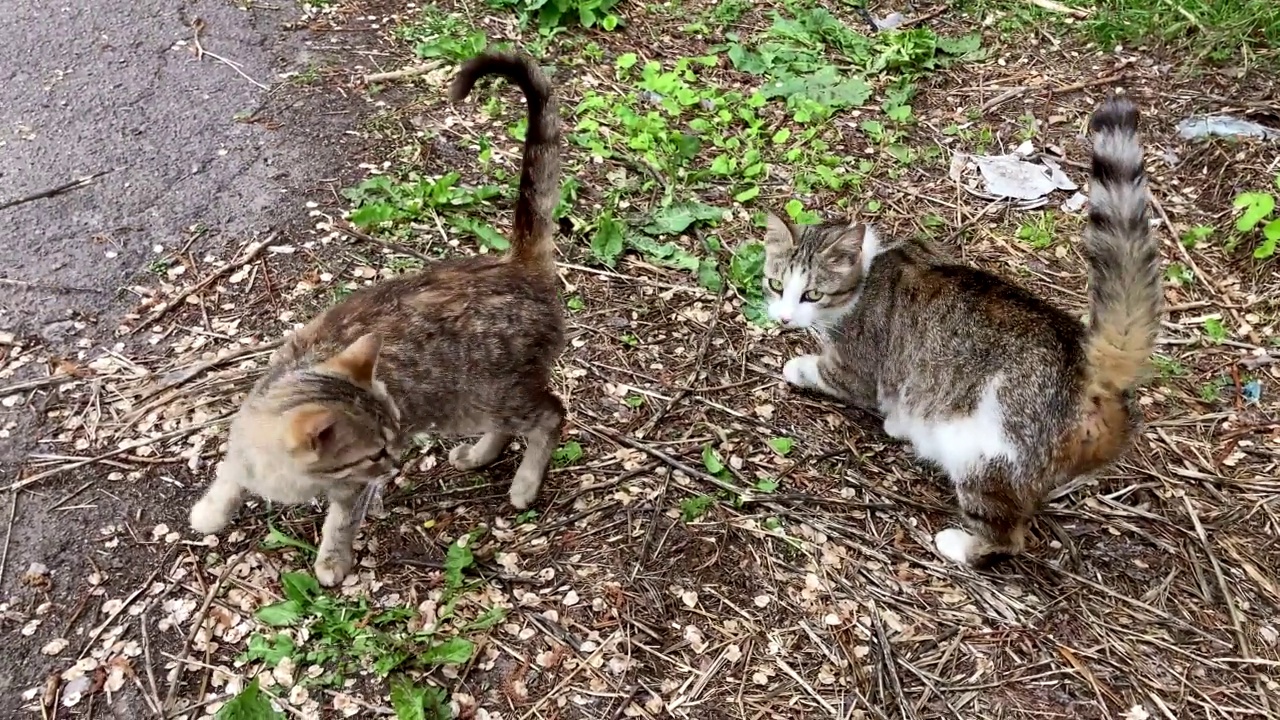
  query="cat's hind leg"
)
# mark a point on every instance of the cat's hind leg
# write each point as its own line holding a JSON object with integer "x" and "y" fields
{"x": 219, "y": 503}
{"x": 540, "y": 428}
{"x": 995, "y": 513}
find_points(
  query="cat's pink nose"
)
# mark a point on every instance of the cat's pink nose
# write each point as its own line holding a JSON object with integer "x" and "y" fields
{"x": 784, "y": 318}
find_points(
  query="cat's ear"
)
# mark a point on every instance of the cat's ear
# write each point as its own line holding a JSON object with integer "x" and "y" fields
{"x": 847, "y": 246}
{"x": 359, "y": 359}
{"x": 777, "y": 233}
{"x": 312, "y": 428}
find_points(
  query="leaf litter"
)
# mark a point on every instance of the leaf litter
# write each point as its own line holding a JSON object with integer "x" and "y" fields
{"x": 1148, "y": 592}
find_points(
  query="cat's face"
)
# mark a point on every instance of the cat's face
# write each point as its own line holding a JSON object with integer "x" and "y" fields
{"x": 333, "y": 422}
{"x": 812, "y": 273}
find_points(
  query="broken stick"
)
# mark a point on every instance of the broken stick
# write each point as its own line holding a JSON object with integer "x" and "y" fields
{"x": 51, "y": 192}
{"x": 254, "y": 250}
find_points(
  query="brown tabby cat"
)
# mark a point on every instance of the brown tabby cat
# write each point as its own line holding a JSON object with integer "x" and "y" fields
{"x": 464, "y": 347}
{"x": 1009, "y": 395}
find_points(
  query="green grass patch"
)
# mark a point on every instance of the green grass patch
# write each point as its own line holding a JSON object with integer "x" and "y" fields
{"x": 1215, "y": 29}
{"x": 1219, "y": 31}
{"x": 684, "y": 143}
{"x": 349, "y": 637}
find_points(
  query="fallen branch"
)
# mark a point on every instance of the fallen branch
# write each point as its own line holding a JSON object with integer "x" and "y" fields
{"x": 117, "y": 451}
{"x": 934, "y": 13}
{"x": 8, "y": 534}
{"x": 48, "y": 286}
{"x": 176, "y": 673}
{"x": 409, "y": 72}
{"x": 254, "y": 250}
{"x": 52, "y": 192}
{"x": 38, "y": 383}
{"x": 1074, "y": 87}
{"x": 172, "y": 380}
{"x": 743, "y": 493}
{"x": 1057, "y": 7}
{"x": 197, "y": 25}
{"x": 352, "y": 232}
{"x": 1016, "y": 92}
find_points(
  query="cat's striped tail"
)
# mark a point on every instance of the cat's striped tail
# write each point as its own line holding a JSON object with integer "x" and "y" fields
{"x": 1125, "y": 299}
{"x": 533, "y": 235}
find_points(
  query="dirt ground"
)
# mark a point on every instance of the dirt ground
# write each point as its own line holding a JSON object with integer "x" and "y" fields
{"x": 709, "y": 544}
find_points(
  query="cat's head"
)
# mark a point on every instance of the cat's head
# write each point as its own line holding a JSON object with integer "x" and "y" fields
{"x": 333, "y": 421}
{"x": 813, "y": 273}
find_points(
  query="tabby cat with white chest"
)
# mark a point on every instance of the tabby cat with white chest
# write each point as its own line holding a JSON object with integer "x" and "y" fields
{"x": 463, "y": 347}
{"x": 1008, "y": 394}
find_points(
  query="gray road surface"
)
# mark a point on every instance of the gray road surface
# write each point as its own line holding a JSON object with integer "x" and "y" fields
{"x": 87, "y": 87}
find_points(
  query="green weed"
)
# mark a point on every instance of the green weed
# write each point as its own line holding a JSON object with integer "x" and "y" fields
{"x": 1258, "y": 215}
{"x": 1192, "y": 238}
{"x": 551, "y": 14}
{"x": 695, "y": 507}
{"x": 1211, "y": 392}
{"x": 1179, "y": 274}
{"x": 1167, "y": 367}
{"x": 381, "y": 201}
{"x": 250, "y": 704}
{"x": 1039, "y": 233}
{"x": 681, "y": 134}
{"x": 1215, "y": 330}
{"x": 746, "y": 272}
{"x": 347, "y": 636}
{"x": 781, "y": 445}
{"x": 567, "y": 454}
{"x": 434, "y": 34}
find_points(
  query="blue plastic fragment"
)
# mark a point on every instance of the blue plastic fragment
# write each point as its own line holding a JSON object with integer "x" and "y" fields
{"x": 1252, "y": 391}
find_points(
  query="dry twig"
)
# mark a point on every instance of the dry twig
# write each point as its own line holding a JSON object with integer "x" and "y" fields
{"x": 53, "y": 192}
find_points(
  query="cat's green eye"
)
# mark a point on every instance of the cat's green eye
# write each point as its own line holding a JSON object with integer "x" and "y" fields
{"x": 775, "y": 285}
{"x": 812, "y": 296}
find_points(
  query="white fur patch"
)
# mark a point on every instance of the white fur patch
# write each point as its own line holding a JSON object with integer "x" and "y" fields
{"x": 788, "y": 309}
{"x": 870, "y": 249}
{"x": 955, "y": 545}
{"x": 802, "y": 371}
{"x": 956, "y": 444}
{"x": 208, "y": 516}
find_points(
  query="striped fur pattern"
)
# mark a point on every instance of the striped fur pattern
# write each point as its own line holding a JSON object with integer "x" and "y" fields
{"x": 1007, "y": 394}
{"x": 464, "y": 347}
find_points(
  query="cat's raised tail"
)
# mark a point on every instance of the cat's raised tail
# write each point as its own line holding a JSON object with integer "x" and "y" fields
{"x": 533, "y": 234}
{"x": 1125, "y": 299}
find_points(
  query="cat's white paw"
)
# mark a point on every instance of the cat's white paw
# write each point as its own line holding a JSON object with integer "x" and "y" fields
{"x": 332, "y": 567}
{"x": 208, "y": 516}
{"x": 524, "y": 490}
{"x": 895, "y": 427}
{"x": 955, "y": 545}
{"x": 461, "y": 457}
{"x": 801, "y": 371}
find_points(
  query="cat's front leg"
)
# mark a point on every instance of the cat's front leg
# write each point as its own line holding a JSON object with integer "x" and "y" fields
{"x": 805, "y": 372}
{"x": 483, "y": 452}
{"x": 336, "y": 554}
{"x": 219, "y": 503}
